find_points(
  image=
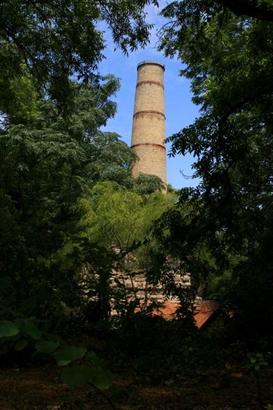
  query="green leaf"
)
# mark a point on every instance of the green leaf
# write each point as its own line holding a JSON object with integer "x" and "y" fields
{"x": 47, "y": 346}
{"x": 63, "y": 363}
{"x": 77, "y": 375}
{"x": 29, "y": 328}
{"x": 21, "y": 345}
{"x": 8, "y": 329}
{"x": 68, "y": 354}
{"x": 102, "y": 378}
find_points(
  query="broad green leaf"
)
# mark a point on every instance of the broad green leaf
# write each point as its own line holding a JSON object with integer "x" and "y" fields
{"x": 21, "y": 345}
{"x": 102, "y": 378}
{"x": 29, "y": 328}
{"x": 8, "y": 329}
{"x": 68, "y": 354}
{"x": 47, "y": 346}
{"x": 77, "y": 375}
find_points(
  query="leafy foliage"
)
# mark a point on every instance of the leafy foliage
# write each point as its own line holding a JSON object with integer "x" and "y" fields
{"x": 13, "y": 336}
{"x": 228, "y": 229}
{"x": 77, "y": 375}
{"x": 119, "y": 221}
{"x": 8, "y": 329}
{"x": 52, "y": 41}
{"x": 47, "y": 346}
{"x": 120, "y": 218}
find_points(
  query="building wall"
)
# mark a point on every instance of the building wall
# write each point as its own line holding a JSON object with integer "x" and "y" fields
{"x": 137, "y": 286}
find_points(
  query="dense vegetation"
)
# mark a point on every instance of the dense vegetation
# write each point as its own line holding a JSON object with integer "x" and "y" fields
{"x": 229, "y": 61}
{"x": 71, "y": 215}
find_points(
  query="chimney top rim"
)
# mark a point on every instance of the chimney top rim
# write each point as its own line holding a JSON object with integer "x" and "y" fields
{"x": 150, "y": 62}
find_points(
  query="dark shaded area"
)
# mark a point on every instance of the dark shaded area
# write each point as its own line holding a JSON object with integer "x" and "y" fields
{"x": 251, "y": 8}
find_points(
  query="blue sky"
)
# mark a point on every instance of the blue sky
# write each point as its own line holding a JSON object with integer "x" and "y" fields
{"x": 180, "y": 111}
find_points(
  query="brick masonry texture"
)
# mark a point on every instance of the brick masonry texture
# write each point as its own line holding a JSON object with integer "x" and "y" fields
{"x": 148, "y": 134}
{"x": 137, "y": 286}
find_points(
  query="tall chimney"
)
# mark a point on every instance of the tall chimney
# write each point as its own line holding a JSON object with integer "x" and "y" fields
{"x": 148, "y": 135}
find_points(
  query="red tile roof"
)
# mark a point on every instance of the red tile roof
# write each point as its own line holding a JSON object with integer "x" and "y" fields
{"x": 204, "y": 311}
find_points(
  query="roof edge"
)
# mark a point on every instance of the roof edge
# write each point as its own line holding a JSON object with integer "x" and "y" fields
{"x": 147, "y": 62}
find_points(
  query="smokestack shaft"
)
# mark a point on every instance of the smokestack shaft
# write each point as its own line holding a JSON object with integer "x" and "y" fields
{"x": 148, "y": 135}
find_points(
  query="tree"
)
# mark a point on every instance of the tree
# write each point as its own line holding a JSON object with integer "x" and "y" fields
{"x": 52, "y": 104}
{"x": 147, "y": 184}
{"x": 119, "y": 222}
{"x": 261, "y": 10}
{"x": 119, "y": 218}
{"x": 45, "y": 168}
{"x": 50, "y": 41}
{"x": 228, "y": 59}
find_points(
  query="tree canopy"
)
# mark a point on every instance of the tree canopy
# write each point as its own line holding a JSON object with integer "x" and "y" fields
{"x": 53, "y": 102}
{"x": 227, "y": 49}
{"x": 52, "y": 41}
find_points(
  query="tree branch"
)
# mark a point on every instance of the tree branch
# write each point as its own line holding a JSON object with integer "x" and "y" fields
{"x": 248, "y": 8}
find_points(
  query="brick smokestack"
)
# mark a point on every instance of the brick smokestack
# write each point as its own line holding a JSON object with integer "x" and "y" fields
{"x": 148, "y": 133}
